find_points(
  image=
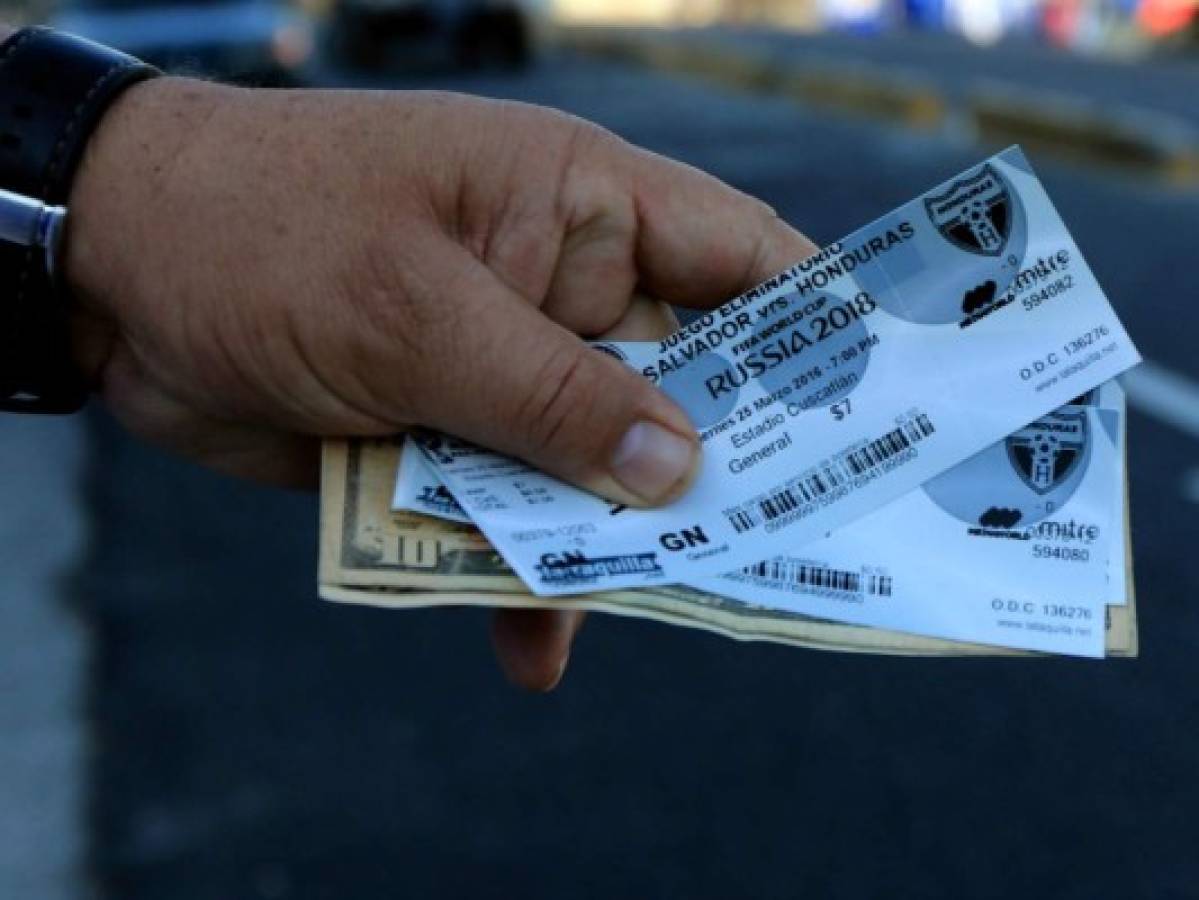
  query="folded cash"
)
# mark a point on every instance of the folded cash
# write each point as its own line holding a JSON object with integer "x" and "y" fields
{"x": 398, "y": 559}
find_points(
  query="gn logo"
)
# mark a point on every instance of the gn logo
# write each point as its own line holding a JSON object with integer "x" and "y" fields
{"x": 683, "y": 540}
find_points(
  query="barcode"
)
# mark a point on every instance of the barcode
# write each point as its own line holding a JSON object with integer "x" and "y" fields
{"x": 783, "y": 501}
{"x": 818, "y": 576}
{"x": 813, "y": 485}
{"x": 881, "y": 449}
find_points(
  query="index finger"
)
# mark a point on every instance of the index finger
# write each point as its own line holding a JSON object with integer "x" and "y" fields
{"x": 701, "y": 242}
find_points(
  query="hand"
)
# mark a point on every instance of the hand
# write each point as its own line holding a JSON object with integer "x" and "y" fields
{"x": 257, "y": 269}
{"x": 533, "y": 645}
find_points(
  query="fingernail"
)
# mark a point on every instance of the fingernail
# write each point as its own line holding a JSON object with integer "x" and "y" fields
{"x": 653, "y": 462}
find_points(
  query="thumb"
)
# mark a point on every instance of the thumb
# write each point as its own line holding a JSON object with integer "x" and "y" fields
{"x": 527, "y": 387}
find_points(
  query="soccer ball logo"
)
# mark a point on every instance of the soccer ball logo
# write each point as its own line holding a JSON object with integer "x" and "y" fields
{"x": 1047, "y": 451}
{"x": 1022, "y": 479}
{"x": 975, "y": 213}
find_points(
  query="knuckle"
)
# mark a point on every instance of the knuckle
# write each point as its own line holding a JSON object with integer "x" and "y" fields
{"x": 583, "y": 174}
{"x": 585, "y": 137}
{"x": 769, "y": 216}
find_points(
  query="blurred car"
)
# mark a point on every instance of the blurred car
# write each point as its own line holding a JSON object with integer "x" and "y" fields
{"x": 240, "y": 40}
{"x": 985, "y": 22}
{"x": 865, "y": 17}
{"x": 1165, "y": 18}
{"x": 924, "y": 14}
{"x": 370, "y": 34}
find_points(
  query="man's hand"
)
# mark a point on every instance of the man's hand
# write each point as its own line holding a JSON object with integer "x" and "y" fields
{"x": 257, "y": 269}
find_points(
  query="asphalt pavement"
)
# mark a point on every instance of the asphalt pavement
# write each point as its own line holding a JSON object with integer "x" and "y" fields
{"x": 251, "y": 741}
{"x": 43, "y": 659}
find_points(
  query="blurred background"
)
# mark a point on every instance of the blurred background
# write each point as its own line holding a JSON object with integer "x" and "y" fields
{"x": 287, "y": 40}
{"x": 181, "y": 717}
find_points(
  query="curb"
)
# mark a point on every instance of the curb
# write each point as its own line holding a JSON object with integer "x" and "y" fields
{"x": 1070, "y": 127}
{"x": 1123, "y": 138}
{"x": 897, "y": 97}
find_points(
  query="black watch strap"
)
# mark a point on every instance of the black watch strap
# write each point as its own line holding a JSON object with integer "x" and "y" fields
{"x": 54, "y": 88}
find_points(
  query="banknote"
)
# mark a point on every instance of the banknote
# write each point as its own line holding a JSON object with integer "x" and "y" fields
{"x": 419, "y": 488}
{"x": 830, "y": 390}
{"x": 371, "y": 554}
{"x": 1020, "y": 546}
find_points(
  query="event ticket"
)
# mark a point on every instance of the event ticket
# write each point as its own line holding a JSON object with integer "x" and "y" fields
{"x": 1022, "y": 545}
{"x": 923, "y": 564}
{"x": 829, "y": 390}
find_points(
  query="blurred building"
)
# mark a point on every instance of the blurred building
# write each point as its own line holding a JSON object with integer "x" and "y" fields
{"x": 1091, "y": 26}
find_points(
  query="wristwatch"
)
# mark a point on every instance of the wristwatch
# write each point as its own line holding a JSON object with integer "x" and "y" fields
{"x": 54, "y": 88}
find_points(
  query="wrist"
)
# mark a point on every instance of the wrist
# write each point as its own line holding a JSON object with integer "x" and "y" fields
{"x": 55, "y": 89}
{"x": 124, "y": 170}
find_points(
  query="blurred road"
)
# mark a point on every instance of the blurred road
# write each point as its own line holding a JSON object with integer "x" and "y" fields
{"x": 43, "y": 659}
{"x": 249, "y": 741}
{"x": 1165, "y": 85}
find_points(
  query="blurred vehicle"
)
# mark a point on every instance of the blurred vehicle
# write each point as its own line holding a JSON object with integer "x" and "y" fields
{"x": 242, "y": 40}
{"x": 1060, "y": 20}
{"x": 858, "y": 16}
{"x": 1113, "y": 26}
{"x": 926, "y": 15}
{"x": 1164, "y": 18}
{"x": 370, "y": 34}
{"x": 986, "y": 22}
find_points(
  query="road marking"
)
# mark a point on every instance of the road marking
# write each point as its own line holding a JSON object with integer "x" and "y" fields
{"x": 1165, "y": 395}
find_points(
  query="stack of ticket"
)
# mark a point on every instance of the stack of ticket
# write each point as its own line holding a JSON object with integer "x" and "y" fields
{"x": 914, "y": 442}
